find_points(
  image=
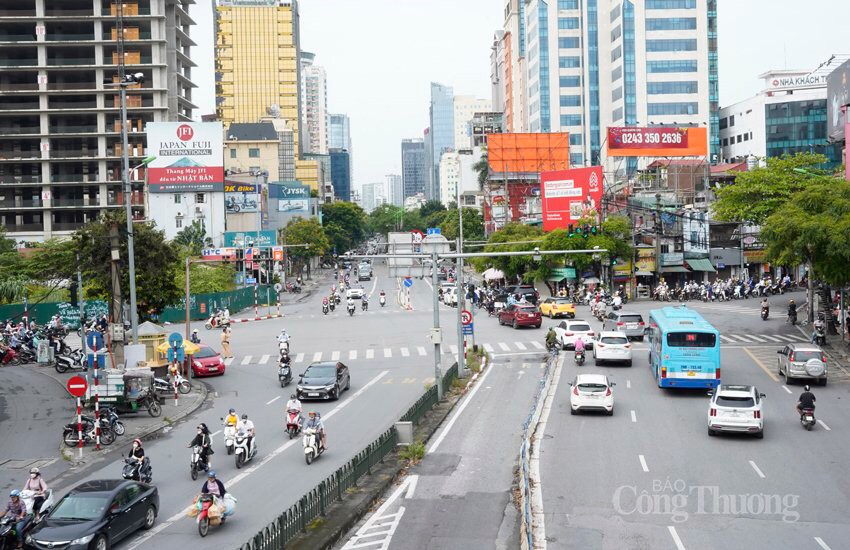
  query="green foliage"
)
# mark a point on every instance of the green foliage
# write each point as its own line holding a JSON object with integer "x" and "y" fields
{"x": 309, "y": 232}
{"x": 436, "y": 218}
{"x": 207, "y": 278}
{"x": 345, "y": 224}
{"x": 473, "y": 225}
{"x": 53, "y": 259}
{"x": 483, "y": 169}
{"x": 385, "y": 218}
{"x": 194, "y": 238}
{"x": 413, "y": 220}
{"x": 430, "y": 207}
{"x": 501, "y": 241}
{"x": 413, "y": 453}
{"x": 814, "y": 225}
{"x": 757, "y": 194}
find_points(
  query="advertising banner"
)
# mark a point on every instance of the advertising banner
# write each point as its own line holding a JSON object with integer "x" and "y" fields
{"x": 241, "y": 197}
{"x": 837, "y": 98}
{"x": 672, "y": 258}
{"x": 218, "y": 253}
{"x": 508, "y": 153}
{"x": 645, "y": 260}
{"x": 657, "y": 142}
{"x": 570, "y": 195}
{"x": 243, "y": 238}
{"x": 189, "y": 157}
{"x": 292, "y": 197}
{"x": 695, "y": 233}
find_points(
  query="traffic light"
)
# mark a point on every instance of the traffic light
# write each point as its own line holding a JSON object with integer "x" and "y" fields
{"x": 571, "y": 231}
{"x": 594, "y": 230}
{"x": 74, "y": 290}
{"x": 613, "y": 261}
{"x": 586, "y": 231}
{"x": 578, "y": 231}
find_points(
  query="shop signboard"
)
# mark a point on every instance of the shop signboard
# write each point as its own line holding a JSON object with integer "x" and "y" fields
{"x": 569, "y": 196}
{"x": 189, "y": 157}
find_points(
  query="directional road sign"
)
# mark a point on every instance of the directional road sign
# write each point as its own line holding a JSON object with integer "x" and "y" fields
{"x": 175, "y": 347}
{"x": 468, "y": 329}
{"x": 408, "y": 282}
{"x": 77, "y": 386}
{"x": 466, "y": 317}
{"x": 94, "y": 340}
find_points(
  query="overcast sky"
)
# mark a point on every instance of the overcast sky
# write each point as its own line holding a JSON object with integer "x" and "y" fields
{"x": 380, "y": 56}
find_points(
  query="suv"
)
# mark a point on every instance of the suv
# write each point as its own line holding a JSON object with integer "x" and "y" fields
{"x": 629, "y": 323}
{"x": 797, "y": 361}
{"x": 567, "y": 332}
{"x": 736, "y": 409}
{"x": 530, "y": 293}
{"x": 354, "y": 293}
{"x": 521, "y": 315}
{"x": 364, "y": 272}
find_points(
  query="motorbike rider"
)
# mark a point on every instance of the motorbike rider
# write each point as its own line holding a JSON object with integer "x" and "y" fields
{"x": 231, "y": 419}
{"x": 818, "y": 326}
{"x": 246, "y": 426}
{"x": 294, "y": 404}
{"x": 579, "y": 346}
{"x": 137, "y": 453}
{"x": 102, "y": 323}
{"x": 213, "y": 486}
{"x": 350, "y": 303}
{"x": 204, "y": 441}
{"x": 806, "y": 400}
{"x": 283, "y": 340}
{"x": 36, "y": 484}
{"x": 550, "y": 338}
{"x": 195, "y": 339}
{"x": 18, "y": 511}
{"x": 315, "y": 422}
{"x": 364, "y": 301}
{"x": 792, "y": 309}
{"x": 383, "y": 297}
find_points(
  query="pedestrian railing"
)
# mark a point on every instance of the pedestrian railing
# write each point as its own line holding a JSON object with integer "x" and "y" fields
{"x": 298, "y": 517}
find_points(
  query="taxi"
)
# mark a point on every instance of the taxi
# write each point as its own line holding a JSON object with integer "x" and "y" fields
{"x": 557, "y": 306}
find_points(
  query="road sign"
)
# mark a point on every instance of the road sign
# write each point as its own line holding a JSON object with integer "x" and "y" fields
{"x": 250, "y": 280}
{"x": 175, "y": 340}
{"x": 94, "y": 340}
{"x": 468, "y": 329}
{"x": 77, "y": 386}
{"x": 175, "y": 347}
{"x": 278, "y": 287}
{"x": 408, "y": 282}
{"x": 433, "y": 230}
{"x": 466, "y": 317}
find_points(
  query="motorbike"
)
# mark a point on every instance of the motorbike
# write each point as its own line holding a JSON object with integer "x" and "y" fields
{"x": 553, "y": 347}
{"x": 820, "y": 336}
{"x": 325, "y": 309}
{"x": 204, "y": 502}
{"x": 579, "y": 357}
{"x": 162, "y": 385}
{"x": 293, "y": 288}
{"x": 111, "y": 417}
{"x": 312, "y": 445}
{"x": 8, "y": 524}
{"x": 337, "y": 299}
{"x": 73, "y": 360}
{"x": 282, "y": 348}
{"x": 807, "y": 418}
{"x": 764, "y": 313}
{"x": 243, "y": 453}
{"x": 332, "y": 305}
{"x": 198, "y": 464}
{"x": 364, "y": 305}
{"x": 215, "y": 321}
{"x": 137, "y": 472}
{"x": 383, "y": 300}
{"x": 792, "y": 318}
{"x": 284, "y": 371}
{"x": 293, "y": 423}
{"x": 351, "y": 309}
{"x": 71, "y": 437}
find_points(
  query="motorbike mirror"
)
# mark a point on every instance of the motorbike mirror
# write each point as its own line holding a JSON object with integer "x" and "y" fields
{"x": 762, "y": 395}
{"x": 710, "y": 393}
{"x": 779, "y": 351}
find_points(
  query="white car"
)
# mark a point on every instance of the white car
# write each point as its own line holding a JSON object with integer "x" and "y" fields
{"x": 592, "y": 392}
{"x": 356, "y": 293}
{"x": 736, "y": 409}
{"x": 567, "y": 332}
{"x": 450, "y": 296}
{"x": 611, "y": 345}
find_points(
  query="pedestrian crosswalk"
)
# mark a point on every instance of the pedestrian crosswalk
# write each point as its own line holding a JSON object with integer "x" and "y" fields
{"x": 530, "y": 347}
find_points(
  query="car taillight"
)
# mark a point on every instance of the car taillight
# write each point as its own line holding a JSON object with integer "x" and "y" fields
{"x": 590, "y": 333}
{"x": 791, "y": 357}
{"x": 717, "y": 373}
{"x": 641, "y": 323}
{"x": 619, "y": 324}
{"x": 575, "y": 390}
{"x": 627, "y": 346}
{"x": 712, "y": 412}
{"x": 756, "y": 414}
{"x": 568, "y": 334}
{"x": 608, "y": 392}
{"x": 823, "y": 358}
{"x": 663, "y": 372}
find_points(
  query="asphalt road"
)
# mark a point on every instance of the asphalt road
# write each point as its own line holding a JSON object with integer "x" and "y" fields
{"x": 650, "y": 477}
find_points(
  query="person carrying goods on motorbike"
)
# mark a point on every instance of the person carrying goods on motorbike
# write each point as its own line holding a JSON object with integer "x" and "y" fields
{"x": 202, "y": 439}
{"x": 213, "y": 486}
{"x": 18, "y": 511}
{"x": 315, "y": 422}
{"x": 37, "y": 485}
{"x": 247, "y": 426}
{"x": 195, "y": 339}
{"x": 551, "y": 340}
{"x": 806, "y": 400}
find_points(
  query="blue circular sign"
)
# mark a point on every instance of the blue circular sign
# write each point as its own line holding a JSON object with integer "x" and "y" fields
{"x": 94, "y": 339}
{"x": 408, "y": 282}
{"x": 175, "y": 340}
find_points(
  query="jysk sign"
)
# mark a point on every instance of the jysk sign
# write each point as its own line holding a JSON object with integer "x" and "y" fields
{"x": 292, "y": 197}
{"x": 189, "y": 157}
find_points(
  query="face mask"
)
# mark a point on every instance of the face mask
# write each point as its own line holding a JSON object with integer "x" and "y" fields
{"x": 199, "y": 432}
{"x": 33, "y": 475}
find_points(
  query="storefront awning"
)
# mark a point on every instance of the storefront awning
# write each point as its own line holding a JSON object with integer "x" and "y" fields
{"x": 644, "y": 273}
{"x": 675, "y": 269}
{"x": 701, "y": 265}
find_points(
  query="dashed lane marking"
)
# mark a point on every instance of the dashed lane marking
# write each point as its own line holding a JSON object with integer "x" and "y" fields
{"x": 317, "y": 356}
{"x": 370, "y": 354}
{"x": 299, "y": 358}
{"x": 405, "y": 352}
{"x": 352, "y": 355}
{"x": 536, "y": 344}
{"x": 504, "y": 346}
{"x": 488, "y": 348}
{"x": 335, "y": 356}
{"x": 388, "y": 353}
{"x": 643, "y": 465}
{"x": 421, "y": 351}
{"x": 520, "y": 346}
{"x": 247, "y": 359}
{"x": 265, "y": 359}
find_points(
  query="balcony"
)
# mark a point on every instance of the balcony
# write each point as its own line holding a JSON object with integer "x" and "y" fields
{"x": 17, "y": 12}
{"x": 67, "y": 226}
{"x": 73, "y": 178}
{"x": 23, "y": 227}
{"x": 20, "y": 155}
{"x": 66, "y": 61}
{"x": 86, "y": 129}
{"x": 17, "y": 180}
{"x": 19, "y": 62}
{"x": 14, "y": 131}
{"x": 18, "y": 202}
{"x": 67, "y": 12}
{"x": 136, "y": 199}
{"x": 69, "y": 103}
{"x": 74, "y": 202}
{"x": 7, "y": 37}
{"x": 68, "y": 37}
{"x": 18, "y": 86}
{"x": 72, "y": 86}
{"x": 59, "y": 154}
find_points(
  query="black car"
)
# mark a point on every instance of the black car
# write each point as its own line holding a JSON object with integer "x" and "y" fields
{"x": 530, "y": 293}
{"x": 96, "y": 515}
{"x": 324, "y": 380}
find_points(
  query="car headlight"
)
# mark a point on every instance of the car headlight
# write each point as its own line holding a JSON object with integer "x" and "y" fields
{"x": 330, "y": 386}
{"x": 29, "y": 539}
{"x": 83, "y": 540}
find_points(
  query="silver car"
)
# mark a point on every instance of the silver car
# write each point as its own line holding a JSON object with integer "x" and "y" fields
{"x": 628, "y": 322}
{"x": 802, "y": 361}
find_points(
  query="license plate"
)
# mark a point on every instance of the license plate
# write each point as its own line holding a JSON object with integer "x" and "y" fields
{"x": 692, "y": 373}
{"x": 212, "y": 369}
{"x": 313, "y": 395}
{"x": 631, "y": 325}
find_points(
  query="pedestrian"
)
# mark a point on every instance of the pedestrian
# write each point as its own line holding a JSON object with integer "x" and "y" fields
{"x": 225, "y": 342}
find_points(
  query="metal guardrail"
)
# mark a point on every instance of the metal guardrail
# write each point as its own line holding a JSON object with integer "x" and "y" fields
{"x": 296, "y": 519}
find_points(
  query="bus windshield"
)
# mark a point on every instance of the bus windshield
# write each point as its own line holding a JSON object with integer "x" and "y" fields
{"x": 691, "y": 340}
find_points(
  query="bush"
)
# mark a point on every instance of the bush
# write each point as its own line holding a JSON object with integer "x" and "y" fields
{"x": 413, "y": 453}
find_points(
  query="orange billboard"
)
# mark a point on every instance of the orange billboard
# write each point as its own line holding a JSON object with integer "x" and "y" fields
{"x": 632, "y": 141}
{"x": 528, "y": 152}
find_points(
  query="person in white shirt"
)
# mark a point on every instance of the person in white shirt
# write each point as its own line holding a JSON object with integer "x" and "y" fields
{"x": 294, "y": 404}
{"x": 246, "y": 426}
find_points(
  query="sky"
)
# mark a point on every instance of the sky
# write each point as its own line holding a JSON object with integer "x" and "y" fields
{"x": 381, "y": 55}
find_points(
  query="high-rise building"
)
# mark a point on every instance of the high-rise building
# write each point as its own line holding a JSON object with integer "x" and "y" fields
{"x": 442, "y": 133}
{"x": 339, "y": 131}
{"x": 373, "y": 196}
{"x": 601, "y": 63}
{"x": 414, "y": 169}
{"x": 314, "y": 105}
{"x": 395, "y": 189}
{"x": 341, "y": 174}
{"x": 60, "y": 145}
{"x": 516, "y": 75}
{"x": 497, "y": 71}
{"x": 465, "y": 107}
{"x": 458, "y": 176}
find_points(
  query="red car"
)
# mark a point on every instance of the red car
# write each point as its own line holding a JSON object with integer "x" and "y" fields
{"x": 521, "y": 315}
{"x": 207, "y": 362}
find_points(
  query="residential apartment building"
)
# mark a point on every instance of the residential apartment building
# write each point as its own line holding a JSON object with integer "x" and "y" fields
{"x": 314, "y": 105}
{"x": 465, "y": 107}
{"x": 788, "y": 116}
{"x": 458, "y": 177}
{"x": 497, "y": 72}
{"x": 395, "y": 189}
{"x": 61, "y": 148}
{"x": 373, "y": 196}
{"x": 339, "y": 132}
{"x": 441, "y": 135}
{"x": 513, "y": 48}
{"x": 414, "y": 168}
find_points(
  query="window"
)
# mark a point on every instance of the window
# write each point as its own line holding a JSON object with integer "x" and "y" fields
{"x": 566, "y": 23}
{"x": 672, "y": 24}
{"x": 254, "y": 152}
{"x": 570, "y": 120}
{"x": 690, "y": 340}
{"x": 569, "y": 62}
{"x": 567, "y": 42}
{"x": 567, "y": 4}
{"x": 683, "y": 66}
{"x": 731, "y": 121}
{"x": 575, "y": 139}
{"x": 725, "y": 142}
{"x": 685, "y": 108}
{"x": 739, "y": 138}
{"x": 616, "y": 53}
{"x": 672, "y": 45}
{"x": 671, "y": 4}
{"x": 576, "y": 159}
{"x": 617, "y": 74}
{"x": 177, "y": 198}
{"x": 615, "y": 13}
{"x": 747, "y": 137}
{"x": 617, "y": 114}
{"x": 178, "y": 222}
{"x": 570, "y": 101}
{"x": 724, "y": 123}
{"x": 617, "y": 93}
{"x": 616, "y": 33}
{"x": 686, "y": 87}
{"x": 199, "y": 198}
{"x": 233, "y": 153}
{"x": 570, "y": 81}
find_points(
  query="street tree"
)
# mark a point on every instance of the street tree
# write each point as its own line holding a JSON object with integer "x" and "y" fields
{"x": 310, "y": 232}
{"x": 510, "y": 238}
{"x": 482, "y": 168}
{"x": 385, "y": 218}
{"x": 436, "y": 218}
{"x": 345, "y": 223}
{"x": 430, "y": 207}
{"x": 194, "y": 238}
{"x": 760, "y": 192}
{"x": 473, "y": 225}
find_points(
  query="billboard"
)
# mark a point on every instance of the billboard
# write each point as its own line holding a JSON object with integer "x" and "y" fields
{"x": 657, "y": 142}
{"x": 695, "y": 233}
{"x": 189, "y": 157}
{"x": 837, "y": 97}
{"x": 292, "y": 197}
{"x": 241, "y": 239}
{"x": 570, "y": 195}
{"x": 241, "y": 197}
{"x": 528, "y": 152}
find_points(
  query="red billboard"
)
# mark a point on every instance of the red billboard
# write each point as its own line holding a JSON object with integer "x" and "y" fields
{"x": 657, "y": 142}
{"x": 570, "y": 195}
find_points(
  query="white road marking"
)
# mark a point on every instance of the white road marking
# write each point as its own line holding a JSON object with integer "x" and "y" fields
{"x": 215, "y": 433}
{"x": 643, "y": 465}
{"x": 421, "y": 351}
{"x": 352, "y": 355}
{"x": 504, "y": 346}
{"x": 317, "y": 356}
{"x": 388, "y": 352}
{"x": 756, "y": 338}
{"x": 488, "y": 348}
{"x": 786, "y": 338}
{"x": 628, "y": 384}
{"x": 519, "y": 374}
{"x": 822, "y": 544}
{"x": 741, "y": 338}
{"x": 378, "y": 519}
{"x": 634, "y": 417}
{"x": 265, "y": 359}
{"x": 825, "y": 427}
{"x": 784, "y": 387}
{"x": 247, "y": 359}
{"x": 536, "y": 344}
{"x": 335, "y": 356}
{"x": 228, "y": 361}
{"x": 676, "y": 540}
{"x": 412, "y": 487}
{"x": 370, "y": 354}
{"x": 459, "y": 411}
{"x": 726, "y": 338}
{"x": 758, "y": 471}
{"x": 273, "y": 400}
{"x": 520, "y": 346}
{"x": 299, "y": 357}
{"x": 771, "y": 338}
{"x": 405, "y": 352}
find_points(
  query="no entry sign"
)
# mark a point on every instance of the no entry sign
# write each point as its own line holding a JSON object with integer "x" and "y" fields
{"x": 77, "y": 386}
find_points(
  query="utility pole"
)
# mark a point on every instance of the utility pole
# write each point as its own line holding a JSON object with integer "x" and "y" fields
{"x": 116, "y": 309}
{"x": 80, "y": 302}
{"x": 461, "y": 348}
{"x": 435, "y": 332}
{"x": 657, "y": 238}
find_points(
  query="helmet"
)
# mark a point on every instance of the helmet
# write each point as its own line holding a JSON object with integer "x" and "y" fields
{"x": 312, "y": 413}
{"x": 211, "y": 473}
{"x": 806, "y": 387}
{"x": 138, "y": 442}
{"x": 195, "y": 331}
{"x": 15, "y": 493}
{"x": 232, "y": 411}
{"x": 244, "y": 416}
{"x": 293, "y": 396}
{"x": 791, "y": 301}
{"x": 35, "y": 471}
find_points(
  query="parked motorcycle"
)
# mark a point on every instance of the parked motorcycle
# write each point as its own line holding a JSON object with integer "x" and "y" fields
{"x": 110, "y": 416}
{"x": 164, "y": 386}
{"x": 71, "y": 437}
{"x": 216, "y": 321}
{"x": 73, "y": 360}
{"x": 137, "y": 472}
{"x": 243, "y": 453}
{"x": 807, "y": 418}
{"x": 293, "y": 423}
{"x": 312, "y": 445}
